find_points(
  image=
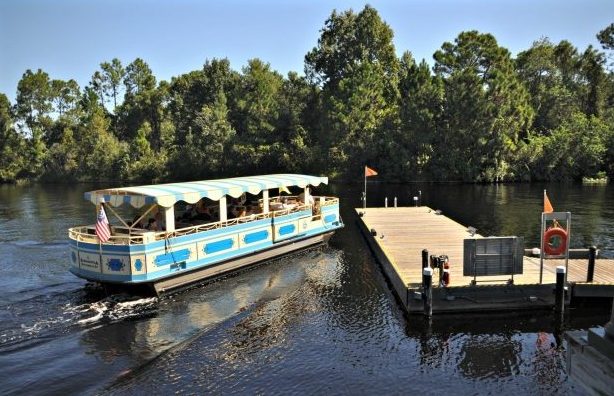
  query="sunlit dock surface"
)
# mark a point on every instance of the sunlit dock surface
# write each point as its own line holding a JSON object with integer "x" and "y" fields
{"x": 397, "y": 237}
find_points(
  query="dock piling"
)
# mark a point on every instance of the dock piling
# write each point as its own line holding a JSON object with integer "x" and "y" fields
{"x": 427, "y": 287}
{"x": 559, "y": 300}
{"x": 592, "y": 253}
{"x": 386, "y": 202}
{"x": 425, "y": 258}
{"x": 395, "y": 202}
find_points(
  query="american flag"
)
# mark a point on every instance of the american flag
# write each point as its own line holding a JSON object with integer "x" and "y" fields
{"x": 102, "y": 226}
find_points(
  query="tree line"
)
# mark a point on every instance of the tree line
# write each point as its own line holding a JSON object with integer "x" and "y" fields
{"x": 478, "y": 114}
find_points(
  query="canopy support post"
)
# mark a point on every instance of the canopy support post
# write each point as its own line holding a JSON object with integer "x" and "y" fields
{"x": 223, "y": 211}
{"x": 169, "y": 218}
{"x": 265, "y": 201}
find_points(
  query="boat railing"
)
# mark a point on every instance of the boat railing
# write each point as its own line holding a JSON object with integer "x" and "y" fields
{"x": 128, "y": 236}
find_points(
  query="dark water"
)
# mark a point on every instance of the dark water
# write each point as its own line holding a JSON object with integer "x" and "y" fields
{"x": 320, "y": 322}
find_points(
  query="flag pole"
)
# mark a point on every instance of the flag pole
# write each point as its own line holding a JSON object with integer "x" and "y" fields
{"x": 101, "y": 205}
{"x": 364, "y": 194}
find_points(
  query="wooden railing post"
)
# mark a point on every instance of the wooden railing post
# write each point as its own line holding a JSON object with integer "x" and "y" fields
{"x": 559, "y": 292}
{"x": 427, "y": 287}
{"x": 592, "y": 252}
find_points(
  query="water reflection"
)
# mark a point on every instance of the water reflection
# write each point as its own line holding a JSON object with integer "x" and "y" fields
{"x": 181, "y": 316}
{"x": 490, "y": 356}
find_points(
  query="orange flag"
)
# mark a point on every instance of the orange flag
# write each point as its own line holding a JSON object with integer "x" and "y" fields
{"x": 547, "y": 205}
{"x": 369, "y": 172}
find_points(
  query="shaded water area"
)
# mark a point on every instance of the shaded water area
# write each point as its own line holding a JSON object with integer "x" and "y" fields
{"x": 319, "y": 321}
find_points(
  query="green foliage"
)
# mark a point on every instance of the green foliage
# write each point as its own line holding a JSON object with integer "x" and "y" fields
{"x": 33, "y": 102}
{"x": 477, "y": 115}
{"x": 112, "y": 75}
{"x": 551, "y": 99}
{"x": 12, "y": 145}
{"x": 486, "y": 109}
{"x": 100, "y": 151}
{"x": 356, "y": 66}
{"x": 256, "y": 115}
{"x": 208, "y": 145}
{"x": 420, "y": 103}
{"x": 577, "y": 148}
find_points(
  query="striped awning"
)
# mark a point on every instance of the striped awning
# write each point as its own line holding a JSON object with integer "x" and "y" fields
{"x": 167, "y": 195}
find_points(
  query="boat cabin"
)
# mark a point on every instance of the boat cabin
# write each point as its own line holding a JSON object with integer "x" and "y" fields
{"x": 159, "y": 232}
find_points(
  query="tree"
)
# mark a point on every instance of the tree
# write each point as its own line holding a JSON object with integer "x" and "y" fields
{"x": 188, "y": 93}
{"x": 551, "y": 99}
{"x": 349, "y": 39}
{"x": 486, "y": 109}
{"x": 142, "y": 103}
{"x": 97, "y": 85}
{"x": 113, "y": 73}
{"x": 142, "y": 162}
{"x": 575, "y": 149}
{"x": 593, "y": 92}
{"x": 139, "y": 78}
{"x": 297, "y": 106}
{"x": 356, "y": 66}
{"x": 606, "y": 39}
{"x": 420, "y": 102}
{"x": 256, "y": 115}
{"x": 11, "y": 144}
{"x": 65, "y": 95}
{"x": 62, "y": 162}
{"x": 33, "y": 107}
{"x": 33, "y": 102}
{"x": 100, "y": 152}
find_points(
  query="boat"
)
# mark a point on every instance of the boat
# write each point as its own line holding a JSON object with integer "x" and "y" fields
{"x": 198, "y": 230}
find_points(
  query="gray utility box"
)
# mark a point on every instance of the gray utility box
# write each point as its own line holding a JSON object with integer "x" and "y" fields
{"x": 493, "y": 256}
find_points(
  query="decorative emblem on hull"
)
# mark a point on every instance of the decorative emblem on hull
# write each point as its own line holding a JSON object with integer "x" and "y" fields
{"x": 115, "y": 265}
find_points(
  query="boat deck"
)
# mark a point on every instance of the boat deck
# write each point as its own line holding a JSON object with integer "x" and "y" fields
{"x": 402, "y": 233}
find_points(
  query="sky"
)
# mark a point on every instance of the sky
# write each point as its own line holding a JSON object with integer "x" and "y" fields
{"x": 70, "y": 38}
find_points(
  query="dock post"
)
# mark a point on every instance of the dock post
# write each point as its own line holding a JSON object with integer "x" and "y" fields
{"x": 592, "y": 252}
{"x": 395, "y": 202}
{"x": 425, "y": 258}
{"x": 559, "y": 293}
{"x": 386, "y": 202}
{"x": 427, "y": 287}
{"x": 416, "y": 202}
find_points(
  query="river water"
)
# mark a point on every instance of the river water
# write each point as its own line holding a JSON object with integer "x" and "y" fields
{"x": 322, "y": 321}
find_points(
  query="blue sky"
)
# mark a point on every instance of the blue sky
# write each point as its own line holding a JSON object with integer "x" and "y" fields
{"x": 70, "y": 38}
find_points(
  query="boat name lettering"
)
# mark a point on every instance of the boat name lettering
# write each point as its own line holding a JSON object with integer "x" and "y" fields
{"x": 89, "y": 263}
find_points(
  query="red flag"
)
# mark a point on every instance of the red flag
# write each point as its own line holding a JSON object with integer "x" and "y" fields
{"x": 369, "y": 172}
{"x": 102, "y": 226}
{"x": 547, "y": 205}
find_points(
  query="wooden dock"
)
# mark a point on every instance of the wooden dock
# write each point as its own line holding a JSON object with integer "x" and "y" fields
{"x": 397, "y": 237}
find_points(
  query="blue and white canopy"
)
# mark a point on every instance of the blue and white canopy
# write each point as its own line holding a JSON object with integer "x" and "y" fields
{"x": 167, "y": 195}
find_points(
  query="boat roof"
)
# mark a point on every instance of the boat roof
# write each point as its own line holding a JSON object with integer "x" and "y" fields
{"x": 167, "y": 195}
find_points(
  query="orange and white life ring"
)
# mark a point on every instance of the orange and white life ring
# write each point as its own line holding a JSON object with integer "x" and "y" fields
{"x": 555, "y": 241}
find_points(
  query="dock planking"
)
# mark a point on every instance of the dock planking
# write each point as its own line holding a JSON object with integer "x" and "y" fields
{"x": 402, "y": 233}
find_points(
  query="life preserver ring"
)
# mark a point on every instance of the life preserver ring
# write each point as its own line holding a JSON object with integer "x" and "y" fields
{"x": 555, "y": 241}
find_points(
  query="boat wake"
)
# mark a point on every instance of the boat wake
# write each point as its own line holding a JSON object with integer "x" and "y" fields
{"x": 45, "y": 317}
{"x": 113, "y": 308}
